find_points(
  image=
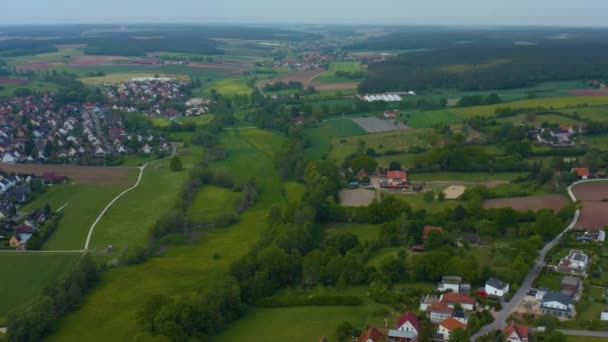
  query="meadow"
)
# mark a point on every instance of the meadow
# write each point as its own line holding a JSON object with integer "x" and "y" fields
{"x": 321, "y": 136}
{"x": 24, "y": 276}
{"x": 83, "y": 204}
{"x": 330, "y": 76}
{"x": 126, "y": 76}
{"x": 180, "y": 269}
{"x": 210, "y": 203}
{"x": 426, "y": 119}
{"x": 127, "y": 222}
{"x": 365, "y": 232}
{"x": 228, "y": 87}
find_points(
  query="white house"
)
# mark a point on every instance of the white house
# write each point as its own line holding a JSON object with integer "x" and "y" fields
{"x": 604, "y": 315}
{"x": 8, "y": 159}
{"x": 497, "y": 288}
{"x": 449, "y": 283}
{"x": 447, "y": 326}
{"x": 578, "y": 260}
{"x": 557, "y": 304}
{"x": 516, "y": 333}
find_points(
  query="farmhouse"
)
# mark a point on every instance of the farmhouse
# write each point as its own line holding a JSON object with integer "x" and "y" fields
{"x": 582, "y": 172}
{"x": 449, "y": 325}
{"x": 557, "y": 304}
{"x": 496, "y": 288}
{"x": 371, "y": 335}
{"x": 516, "y": 333}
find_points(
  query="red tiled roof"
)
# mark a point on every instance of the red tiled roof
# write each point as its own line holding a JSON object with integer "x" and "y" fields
{"x": 408, "y": 317}
{"x": 452, "y": 323}
{"x": 439, "y": 307}
{"x": 396, "y": 174}
{"x": 372, "y": 334}
{"x": 428, "y": 229}
{"x": 459, "y": 298}
{"x": 520, "y": 330}
{"x": 581, "y": 171}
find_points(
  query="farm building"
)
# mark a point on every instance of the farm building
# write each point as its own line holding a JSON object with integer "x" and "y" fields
{"x": 382, "y": 97}
{"x": 582, "y": 172}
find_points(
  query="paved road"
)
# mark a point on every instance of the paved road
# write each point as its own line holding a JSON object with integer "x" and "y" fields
{"x": 501, "y": 316}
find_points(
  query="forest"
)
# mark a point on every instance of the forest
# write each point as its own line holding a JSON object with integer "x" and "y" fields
{"x": 484, "y": 68}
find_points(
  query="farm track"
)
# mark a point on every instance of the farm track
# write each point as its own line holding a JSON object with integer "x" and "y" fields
{"x": 501, "y": 316}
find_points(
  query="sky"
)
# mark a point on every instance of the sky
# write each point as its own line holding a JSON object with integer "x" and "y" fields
{"x": 393, "y": 12}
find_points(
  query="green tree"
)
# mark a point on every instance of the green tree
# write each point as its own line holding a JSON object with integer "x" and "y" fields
{"x": 434, "y": 240}
{"x": 394, "y": 166}
{"x": 441, "y": 196}
{"x": 429, "y": 196}
{"x": 459, "y": 335}
{"x": 556, "y": 336}
{"x": 367, "y": 163}
{"x": 176, "y": 164}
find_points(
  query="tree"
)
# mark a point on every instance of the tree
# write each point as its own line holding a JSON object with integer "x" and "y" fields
{"x": 367, "y": 163}
{"x": 176, "y": 164}
{"x": 394, "y": 166}
{"x": 459, "y": 335}
{"x": 492, "y": 99}
{"x": 441, "y": 196}
{"x": 429, "y": 196}
{"x": 556, "y": 336}
{"x": 47, "y": 209}
{"x": 434, "y": 240}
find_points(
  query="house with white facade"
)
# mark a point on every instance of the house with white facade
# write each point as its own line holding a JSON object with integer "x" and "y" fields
{"x": 557, "y": 304}
{"x": 496, "y": 287}
{"x": 516, "y": 333}
{"x": 447, "y": 326}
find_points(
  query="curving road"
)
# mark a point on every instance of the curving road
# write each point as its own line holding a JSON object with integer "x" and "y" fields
{"x": 501, "y": 316}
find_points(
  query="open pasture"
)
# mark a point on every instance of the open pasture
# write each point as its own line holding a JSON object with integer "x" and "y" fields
{"x": 375, "y": 125}
{"x": 229, "y": 87}
{"x": 554, "y": 202}
{"x": 546, "y": 103}
{"x": 99, "y": 175}
{"x": 210, "y": 203}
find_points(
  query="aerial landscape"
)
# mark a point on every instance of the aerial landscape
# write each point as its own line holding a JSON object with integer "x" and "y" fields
{"x": 238, "y": 173}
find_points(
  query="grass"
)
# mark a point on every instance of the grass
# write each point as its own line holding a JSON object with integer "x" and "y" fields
{"x": 84, "y": 203}
{"x": 330, "y": 76}
{"x": 464, "y": 177}
{"x": 127, "y": 222}
{"x": 201, "y": 120}
{"x": 126, "y": 76}
{"x": 211, "y": 202}
{"x": 585, "y": 339}
{"x": 9, "y": 89}
{"x": 599, "y": 141}
{"x": 427, "y": 119}
{"x": 108, "y": 312}
{"x": 322, "y": 135}
{"x": 277, "y": 323}
{"x": 295, "y": 191}
{"x": 599, "y": 113}
{"x": 24, "y": 276}
{"x": 551, "y": 281}
{"x": 416, "y": 201}
{"x": 551, "y": 119}
{"x": 229, "y": 87}
{"x": 365, "y": 232}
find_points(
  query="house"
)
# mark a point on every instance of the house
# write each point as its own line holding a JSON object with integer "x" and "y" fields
{"x": 438, "y": 312}
{"x": 428, "y": 229}
{"x": 52, "y": 177}
{"x": 604, "y": 314}
{"x": 448, "y": 283}
{"x": 406, "y": 329}
{"x": 557, "y": 304}
{"x": 452, "y": 299}
{"x": 391, "y": 114}
{"x": 471, "y": 238}
{"x": 427, "y": 301}
{"x": 516, "y": 333}
{"x": 570, "y": 285}
{"x": 396, "y": 177}
{"x": 371, "y": 335}
{"x": 575, "y": 262}
{"x": 447, "y": 326}
{"x": 146, "y": 149}
{"x": 497, "y": 288}
{"x": 582, "y": 172}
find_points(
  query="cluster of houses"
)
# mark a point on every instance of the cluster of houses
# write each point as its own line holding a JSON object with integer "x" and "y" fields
{"x": 157, "y": 94}
{"x": 24, "y": 229}
{"x": 306, "y": 62}
{"x": 197, "y": 106}
{"x": 560, "y": 136}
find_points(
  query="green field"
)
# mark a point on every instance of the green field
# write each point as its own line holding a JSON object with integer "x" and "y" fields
{"x": 365, "y": 232}
{"x": 9, "y": 89}
{"x": 464, "y": 176}
{"x": 393, "y": 142}
{"x": 180, "y": 270}
{"x": 211, "y": 202}
{"x": 24, "y": 276}
{"x": 201, "y": 120}
{"x": 62, "y": 53}
{"x": 84, "y": 203}
{"x": 538, "y": 120}
{"x": 599, "y": 113}
{"x": 425, "y": 119}
{"x": 329, "y": 76}
{"x": 229, "y": 87}
{"x": 127, "y": 222}
{"x": 322, "y": 135}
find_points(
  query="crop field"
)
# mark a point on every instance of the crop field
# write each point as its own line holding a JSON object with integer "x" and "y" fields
{"x": 83, "y": 203}
{"x": 304, "y": 77}
{"x": 61, "y": 54}
{"x": 229, "y": 87}
{"x": 180, "y": 269}
{"x": 126, "y": 76}
{"x": 591, "y": 192}
{"x": 375, "y": 125}
{"x": 593, "y": 216}
{"x": 598, "y": 113}
{"x": 393, "y": 142}
{"x": 12, "y": 80}
{"x": 24, "y": 276}
{"x": 127, "y": 222}
{"x": 99, "y": 175}
{"x": 211, "y": 202}
{"x": 555, "y": 202}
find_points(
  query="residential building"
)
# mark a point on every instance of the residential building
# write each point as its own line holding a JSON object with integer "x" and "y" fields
{"x": 582, "y": 172}
{"x": 448, "y": 283}
{"x": 447, "y": 326}
{"x": 452, "y": 299}
{"x": 496, "y": 288}
{"x": 406, "y": 329}
{"x": 570, "y": 285}
{"x": 438, "y": 312}
{"x": 557, "y": 304}
{"x": 575, "y": 262}
{"x": 427, "y": 301}
{"x": 541, "y": 292}
{"x": 604, "y": 314}
{"x": 371, "y": 335}
{"x": 516, "y": 333}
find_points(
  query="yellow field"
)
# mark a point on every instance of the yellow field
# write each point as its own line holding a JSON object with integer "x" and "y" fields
{"x": 125, "y": 76}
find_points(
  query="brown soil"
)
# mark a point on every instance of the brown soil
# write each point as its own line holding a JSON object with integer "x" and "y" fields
{"x": 79, "y": 174}
{"x": 304, "y": 77}
{"x": 591, "y": 191}
{"x": 334, "y": 86}
{"x": 87, "y": 61}
{"x": 555, "y": 202}
{"x": 10, "y": 80}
